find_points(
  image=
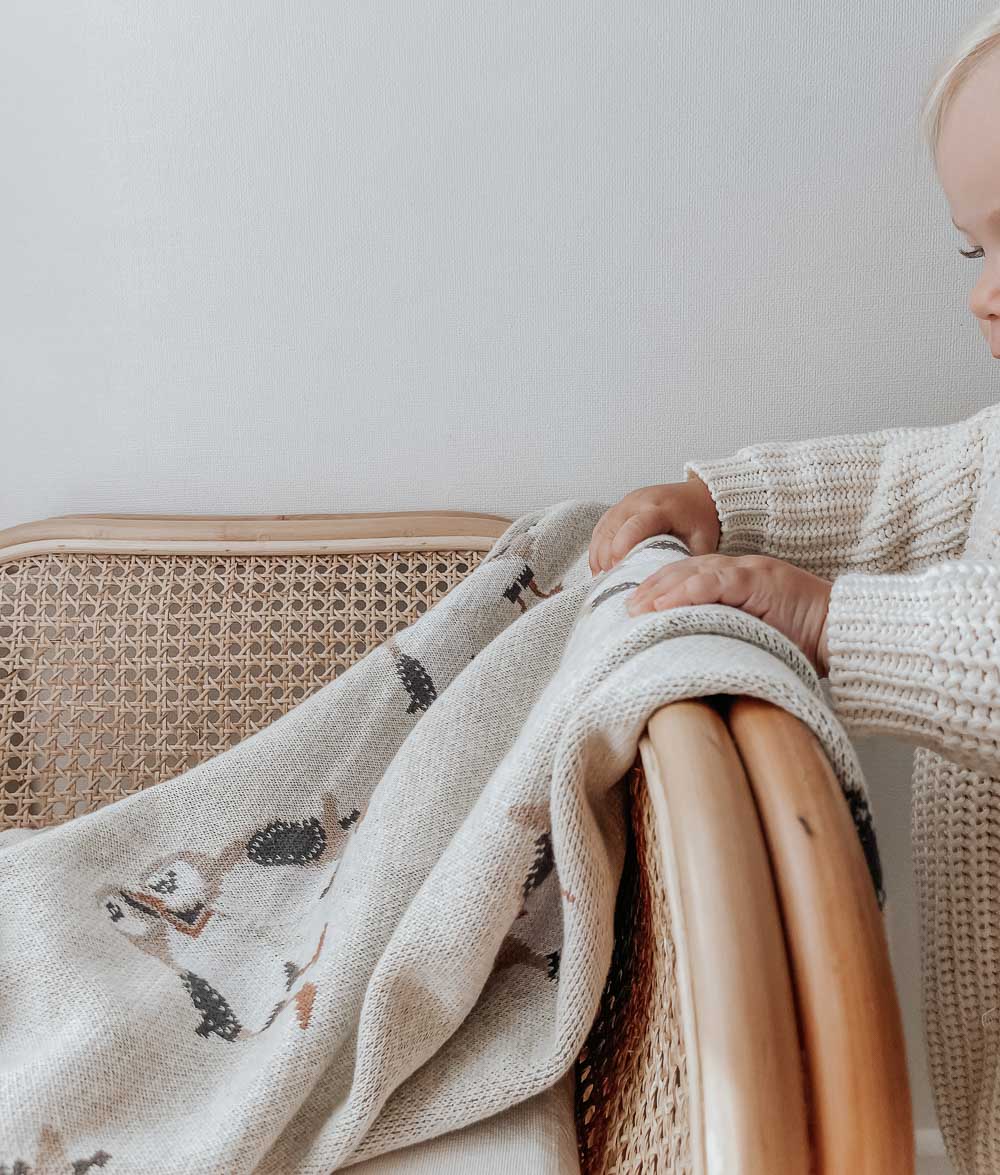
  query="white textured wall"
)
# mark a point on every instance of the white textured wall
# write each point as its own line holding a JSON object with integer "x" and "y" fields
{"x": 346, "y": 256}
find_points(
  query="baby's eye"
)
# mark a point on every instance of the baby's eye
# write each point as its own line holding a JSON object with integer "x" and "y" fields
{"x": 974, "y": 254}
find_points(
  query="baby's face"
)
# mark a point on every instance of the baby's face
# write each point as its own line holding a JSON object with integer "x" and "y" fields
{"x": 968, "y": 165}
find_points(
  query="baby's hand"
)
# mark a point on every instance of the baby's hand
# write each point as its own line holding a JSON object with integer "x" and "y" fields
{"x": 790, "y": 599}
{"x": 683, "y": 508}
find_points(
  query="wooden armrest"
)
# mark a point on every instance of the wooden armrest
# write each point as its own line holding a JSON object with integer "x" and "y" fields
{"x": 745, "y": 1081}
{"x": 861, "y": 1116}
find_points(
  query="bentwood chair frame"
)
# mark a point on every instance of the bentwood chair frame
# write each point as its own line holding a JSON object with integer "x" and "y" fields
{"x": 749, "y": 1023}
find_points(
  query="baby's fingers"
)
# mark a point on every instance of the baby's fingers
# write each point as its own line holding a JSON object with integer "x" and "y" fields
{"x": 653, "y": 586}
{"x": 617, "y": 533}
{"x": 632, "y": 531}
{"x": 600, "y": 540}
{"x": 690, "y": 582}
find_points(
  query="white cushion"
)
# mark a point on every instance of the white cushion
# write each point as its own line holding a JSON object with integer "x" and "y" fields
{"x": 535, "y": 1137}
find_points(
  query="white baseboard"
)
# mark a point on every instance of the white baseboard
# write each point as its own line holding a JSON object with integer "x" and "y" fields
{"x": 930, "y": 1144}
{"x": 931, "y": 1158}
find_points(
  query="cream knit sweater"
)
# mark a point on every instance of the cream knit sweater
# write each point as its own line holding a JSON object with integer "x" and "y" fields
{"x": 906, "y": 522}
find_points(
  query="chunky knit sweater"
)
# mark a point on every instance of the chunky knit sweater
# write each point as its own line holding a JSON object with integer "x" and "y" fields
{"x": 906, "y": 522}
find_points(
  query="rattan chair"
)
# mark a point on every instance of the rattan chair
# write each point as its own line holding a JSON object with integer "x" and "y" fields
{"x": 749, "y": 1023}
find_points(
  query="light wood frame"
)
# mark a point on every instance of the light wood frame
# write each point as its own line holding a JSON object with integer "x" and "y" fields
{"x": 270, "y": 534}
{"x": 851, "y": 1027}
{"x": 746, "y": 1093}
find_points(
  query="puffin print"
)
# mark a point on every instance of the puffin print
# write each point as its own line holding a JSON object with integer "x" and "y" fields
{"x": 196, "y": 914}
{"x": 520, "y": 546}
{"x": 626, "y": 586}
{"x": 862, "y": 816}
{"x": 536, "y": 937}
{"x": 515, "y": 593}
{"x": 542, "y": 865}
{"x": 515, "y": 952}
{"x": 415, "y": 678}
{"x": 666, "y": 544}
{"x": 289, "y": 842}
{"x": 51, "y": 1157}
{"x": 218, "y": 1017}
{"x": 535, "y": 817}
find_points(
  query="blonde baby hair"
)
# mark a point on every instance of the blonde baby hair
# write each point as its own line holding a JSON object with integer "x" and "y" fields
{"x": 981, "y": 40}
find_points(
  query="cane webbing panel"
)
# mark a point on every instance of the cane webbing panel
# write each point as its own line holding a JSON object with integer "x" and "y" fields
{"x": 120, "y": 670}
{"x": 631, "y": 1077}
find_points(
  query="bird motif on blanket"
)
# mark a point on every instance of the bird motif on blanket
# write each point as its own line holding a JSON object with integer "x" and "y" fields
{"x": 51, "y": 1157}
{"x": 526, "y": 580}
{"x": 199, "y": 914}
{"x": 521, "y": 548}
{"x": 414, "y": 676}
{"x": 615, "y": 590}
{"x": 535, "y": 939}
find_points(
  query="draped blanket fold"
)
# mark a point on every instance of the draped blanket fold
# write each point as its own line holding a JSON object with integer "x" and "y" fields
{"x": 382, "y": 917}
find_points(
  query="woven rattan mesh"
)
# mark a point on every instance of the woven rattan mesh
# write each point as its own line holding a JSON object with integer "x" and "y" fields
{"x": 117, "y": 671}
{"x": 631, "y": 1088}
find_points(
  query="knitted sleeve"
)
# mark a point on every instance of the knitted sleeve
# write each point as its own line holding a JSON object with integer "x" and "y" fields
{"x": 888, "y": 501}
{"x": 918, "y": 656}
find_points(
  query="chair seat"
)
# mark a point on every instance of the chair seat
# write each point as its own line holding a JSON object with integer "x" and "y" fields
{"x": 536, "y": 1137}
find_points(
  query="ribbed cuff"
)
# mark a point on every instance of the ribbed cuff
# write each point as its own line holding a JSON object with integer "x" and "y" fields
{"x": 916, "y": 655}
{"x": 739, "y": 490}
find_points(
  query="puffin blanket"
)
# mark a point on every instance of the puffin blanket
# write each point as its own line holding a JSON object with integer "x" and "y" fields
{"x": 382, "y": 917}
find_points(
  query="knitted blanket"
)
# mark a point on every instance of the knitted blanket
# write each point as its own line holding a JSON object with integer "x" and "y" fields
{"x": 382, "y": 917}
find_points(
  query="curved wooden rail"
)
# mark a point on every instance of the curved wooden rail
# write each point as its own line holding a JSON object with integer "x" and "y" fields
{"x": 861, "y": 1117}
{"x": 264, "y": 534}
{"x": 746, "y": 1091}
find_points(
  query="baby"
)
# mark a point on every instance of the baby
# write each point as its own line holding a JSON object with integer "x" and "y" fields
{"x": 878, "y": 554}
